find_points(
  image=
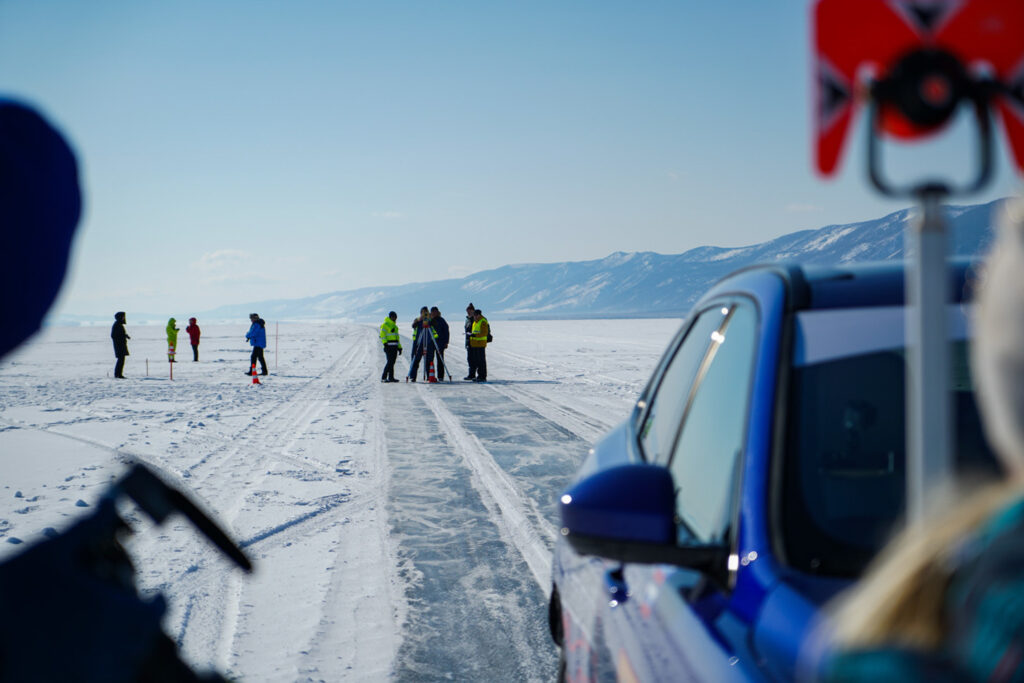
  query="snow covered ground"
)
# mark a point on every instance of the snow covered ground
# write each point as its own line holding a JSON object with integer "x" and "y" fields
{"x": 400, "y": 531}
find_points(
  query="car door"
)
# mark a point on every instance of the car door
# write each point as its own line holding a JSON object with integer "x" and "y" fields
{"x": 677, "y": 623}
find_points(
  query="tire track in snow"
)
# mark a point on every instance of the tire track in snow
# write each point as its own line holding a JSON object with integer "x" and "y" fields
{"x": 316, "y": 596}
{"x": 271, "y": 439}
{"x": 587, "y": 428}
{"x": 477, "y": 610}
{"x": 550, "y": 368}
{"x": 229, "y": 475}
{"x": 342, "y": 636}
{"x": 514, "y": 510}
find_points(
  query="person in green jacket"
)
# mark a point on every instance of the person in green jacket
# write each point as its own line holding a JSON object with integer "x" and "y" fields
{"x": 172, "y": 339}
{"x": 392, "y": 346}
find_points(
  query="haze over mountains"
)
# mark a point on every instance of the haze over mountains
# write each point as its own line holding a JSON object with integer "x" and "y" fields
{"x": 637, "y": 284}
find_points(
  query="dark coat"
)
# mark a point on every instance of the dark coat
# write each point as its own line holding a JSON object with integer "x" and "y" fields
{"x": 441, "y": 327}
{"x": 982, "y": 604}
{"x": 419, "y": 337}
{"x": 193, "y": 332}
{"x": 120, "y": 336}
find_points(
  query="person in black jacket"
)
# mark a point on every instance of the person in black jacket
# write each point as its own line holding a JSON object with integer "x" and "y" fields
{"x": 469, "y": 332}
{"x": 420, "y": 330}
{"x": 440, "y": 326}
{"x": 120, "y": 337}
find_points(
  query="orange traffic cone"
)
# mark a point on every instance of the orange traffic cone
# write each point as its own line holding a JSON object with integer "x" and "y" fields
{"x": 431, "y": 377}
{"x": 255, "y": 379}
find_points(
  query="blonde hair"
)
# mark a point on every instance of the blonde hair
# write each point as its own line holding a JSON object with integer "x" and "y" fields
{"x": 901, "y": 600}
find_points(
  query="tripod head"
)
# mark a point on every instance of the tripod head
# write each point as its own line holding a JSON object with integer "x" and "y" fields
{"x": 914, "y": 63}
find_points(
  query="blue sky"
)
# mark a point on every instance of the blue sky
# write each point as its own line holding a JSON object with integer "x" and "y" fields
{"x": 239, "y": 151}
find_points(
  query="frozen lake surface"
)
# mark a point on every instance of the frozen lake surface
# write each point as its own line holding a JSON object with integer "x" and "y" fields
{"x": 400, "y": 531}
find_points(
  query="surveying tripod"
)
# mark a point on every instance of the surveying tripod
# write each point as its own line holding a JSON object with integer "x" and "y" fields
{"x": 437, "y": 351}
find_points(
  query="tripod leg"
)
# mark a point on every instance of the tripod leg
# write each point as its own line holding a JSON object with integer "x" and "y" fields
{"x": 444, "y": 366}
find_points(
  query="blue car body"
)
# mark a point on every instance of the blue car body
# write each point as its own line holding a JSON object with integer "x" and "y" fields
{"x": 743, "y": 610}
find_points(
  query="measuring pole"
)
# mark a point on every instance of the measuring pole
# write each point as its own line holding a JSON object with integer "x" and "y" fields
{"x": 930, "y": 432}
{"x": 921, "y": 78}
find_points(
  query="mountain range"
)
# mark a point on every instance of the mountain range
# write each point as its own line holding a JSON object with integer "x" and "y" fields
{"x": 634, "y": 284}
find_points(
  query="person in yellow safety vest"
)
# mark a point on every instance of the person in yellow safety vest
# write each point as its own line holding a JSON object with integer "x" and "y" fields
{"x": 392, "y": 346}
{"x": 478, "y": 347}
{"x": 419, "y": 341}
{"x": 172, "y": 339}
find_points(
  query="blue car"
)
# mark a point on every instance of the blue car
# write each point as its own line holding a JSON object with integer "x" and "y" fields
{"x": 761, "y": 469}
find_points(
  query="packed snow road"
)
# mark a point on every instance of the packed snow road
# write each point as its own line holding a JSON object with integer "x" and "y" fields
{"x": 400, "y": 531}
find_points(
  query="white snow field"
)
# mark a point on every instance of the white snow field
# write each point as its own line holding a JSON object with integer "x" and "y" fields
{"x": 399, "y": 531}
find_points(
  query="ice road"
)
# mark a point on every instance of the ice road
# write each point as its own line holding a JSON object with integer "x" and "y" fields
{"x": 400, "y": 531}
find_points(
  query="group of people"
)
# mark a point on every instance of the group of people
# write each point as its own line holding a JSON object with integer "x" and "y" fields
{"x": 172, "y": 338}
{"x": 256, "y": 336}
{"x": 430, "y": 338}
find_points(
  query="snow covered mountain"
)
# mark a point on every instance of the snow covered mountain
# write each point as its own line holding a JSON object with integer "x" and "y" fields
{"x": 639, "y": 284}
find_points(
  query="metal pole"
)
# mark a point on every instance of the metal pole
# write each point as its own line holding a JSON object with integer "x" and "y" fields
{"x": 440, "y": 359}
{"x": 424, "y": 330}
{"x": 930, "y": 430}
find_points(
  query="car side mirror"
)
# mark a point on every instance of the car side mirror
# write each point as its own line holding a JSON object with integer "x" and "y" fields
{"x": 627, "y": 513}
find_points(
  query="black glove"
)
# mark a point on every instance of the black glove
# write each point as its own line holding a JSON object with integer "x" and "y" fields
{"x": 399, "y": 350}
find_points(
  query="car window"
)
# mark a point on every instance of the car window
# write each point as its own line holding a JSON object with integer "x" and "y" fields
{"x": 844, "y": 476}
{"x": 843, "y": 462}
{"x": 665, "y": 413}
{"x": 706, "y": 456}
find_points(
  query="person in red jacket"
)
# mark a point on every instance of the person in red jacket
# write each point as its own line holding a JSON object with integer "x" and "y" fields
{"x": 193, "y": 335}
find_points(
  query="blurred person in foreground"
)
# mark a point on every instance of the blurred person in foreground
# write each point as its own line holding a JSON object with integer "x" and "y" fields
{"x": 70, "y": 608}
{"x": 945, "y": 600}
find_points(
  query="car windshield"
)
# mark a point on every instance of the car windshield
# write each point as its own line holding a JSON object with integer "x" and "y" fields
{"x": 843, "y": 484}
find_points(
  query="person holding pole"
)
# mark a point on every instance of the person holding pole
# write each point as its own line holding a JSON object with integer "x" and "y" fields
{"x": 193, "y": 337}
{"x": 392, "y": 346}
{"x": 172, "y": 339}
{"x": 420, "y": 326}
{"x": 478, "y": 347}
{"x": 441, "y": 337}
{"x": 120, "y": 337}
{"x": 257, "y": 336}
